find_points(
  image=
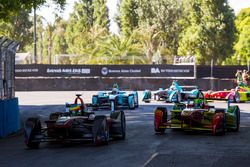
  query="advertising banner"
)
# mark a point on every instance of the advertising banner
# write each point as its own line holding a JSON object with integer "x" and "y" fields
{"x": 169, "y": 71}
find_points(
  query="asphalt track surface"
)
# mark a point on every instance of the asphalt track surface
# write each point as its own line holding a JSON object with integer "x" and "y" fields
{"x": 142, "y": 147}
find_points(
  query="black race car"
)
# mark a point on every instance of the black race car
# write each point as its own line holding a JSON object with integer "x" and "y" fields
{"x": 78, "y": 124}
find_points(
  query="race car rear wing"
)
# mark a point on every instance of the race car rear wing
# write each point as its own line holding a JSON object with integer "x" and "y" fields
{"x": 189, "y": 87}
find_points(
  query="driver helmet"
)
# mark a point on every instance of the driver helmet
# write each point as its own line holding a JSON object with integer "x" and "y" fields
{"x": 115, "y": 91}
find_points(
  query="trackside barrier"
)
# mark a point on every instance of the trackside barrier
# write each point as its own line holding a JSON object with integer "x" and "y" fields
{"x": 9, "y": 117}
{"x": 9, "y": 110}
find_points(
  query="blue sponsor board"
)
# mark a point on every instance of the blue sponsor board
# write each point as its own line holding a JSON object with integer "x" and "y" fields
{"x": 9, "y": 117}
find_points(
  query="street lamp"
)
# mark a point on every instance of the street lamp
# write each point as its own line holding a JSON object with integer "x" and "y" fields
{"x": 34, "y": 35}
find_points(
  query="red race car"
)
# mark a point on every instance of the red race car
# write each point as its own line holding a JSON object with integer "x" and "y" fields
{"x": 231, "y": 95}
{"x": 77, "y": 124}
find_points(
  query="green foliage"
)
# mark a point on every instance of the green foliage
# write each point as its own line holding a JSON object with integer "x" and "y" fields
{"x": 80, "y": 21}
{"x": 100, "y": 15}
{"x": 242, "y": 46}
{"x": 128, "y": 16}
{"x": 124, "y": 50}
{"x": 87, "y": 26}
{"x": 209, "y": 30}
{"x": 59, "y": 42}
{"x": 10, "y": 8}
{"x": 150, "y": 39}
{"x": 205, "y": 28}
{"x": 18, "y": 29}
{"x": 163, "y": 15}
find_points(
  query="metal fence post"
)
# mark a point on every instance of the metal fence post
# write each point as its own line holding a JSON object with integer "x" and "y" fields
{"x": 2, "y": 71}
{"x": 7, "y": 68}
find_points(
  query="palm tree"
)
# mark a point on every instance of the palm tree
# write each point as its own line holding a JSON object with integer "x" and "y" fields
{"x": 150, "y": 39}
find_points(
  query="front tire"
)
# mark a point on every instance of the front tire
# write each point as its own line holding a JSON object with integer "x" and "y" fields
{"x": 178, "y": 94}
{"x": 236, "y": 97}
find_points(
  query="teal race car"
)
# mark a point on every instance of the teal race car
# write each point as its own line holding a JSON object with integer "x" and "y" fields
{"x": 196, "y": 114}
{"x": 175, "y": 93}
{"x": 115, "y": 99}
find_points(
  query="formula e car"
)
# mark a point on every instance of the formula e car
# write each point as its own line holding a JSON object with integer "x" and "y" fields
{"x": 75, "y": 125}
{"x": 174, "y": 93}
{"x": 196, "y": 114}
{"x": 239, "y": 94}
{"x": 115, "y": 99}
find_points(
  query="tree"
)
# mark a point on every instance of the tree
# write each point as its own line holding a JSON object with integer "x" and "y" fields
{"x": 100, "y": 14}
{"x": 10, "y": 8}
{"x": 59, "y": 42}
{"x": 80, "y": 21}
{"x": 164, "y": 16}
{"x": 242, "y": 46}
{"x": 40, "y": 38}
{"x": 209, "y": 31}
{"x": 87, "y": 25}
{"x": 91, "y": 50}
{"x": 128, "y": 16}
{"x": 150, "y": 39}
{"x": 18, "y": 28}
{"x": 124, "y": 50}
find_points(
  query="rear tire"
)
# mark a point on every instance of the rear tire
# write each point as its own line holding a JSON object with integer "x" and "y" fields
{"x": 123, "y": 126}
{"x": 32, "y": 128}
{"x": 219, "y": 128}
{"x": 158, "y": 119}
{"x": 101, "y": 131}
{"x": 112, "y": 105}
{"x": 122, "y": 135}
{"x": 95, "y": 102}
{"x": 136, "y": 100}
{"x": 131, "y": 105}
{"x": 237, "y": 121}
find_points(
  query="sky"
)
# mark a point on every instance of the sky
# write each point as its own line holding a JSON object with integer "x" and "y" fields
{"x": 47, "y": 12}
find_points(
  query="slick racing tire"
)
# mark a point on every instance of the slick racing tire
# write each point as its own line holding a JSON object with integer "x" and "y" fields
{"x": 236, "y": 97}
{"x": 131, "y": 104}
{"x": 100, "y": 131}
{"x": 95, "y": 102}
{"x": 121, "y": 116}
{"x": 237, "y": 119}
{"x": 112, "y": 105}
{"x": 219, "y": 128}
{"x": 32, "y": 127}
{"x": 178, "y": 94}
{"x": 159, "y": 115}
{"x": 123, "y": 126}
{"x": 177, "y": 97}
{"x": 237, "y": 114}
{"x": 157, "y": 97}
{"x": 136, "y": 100}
